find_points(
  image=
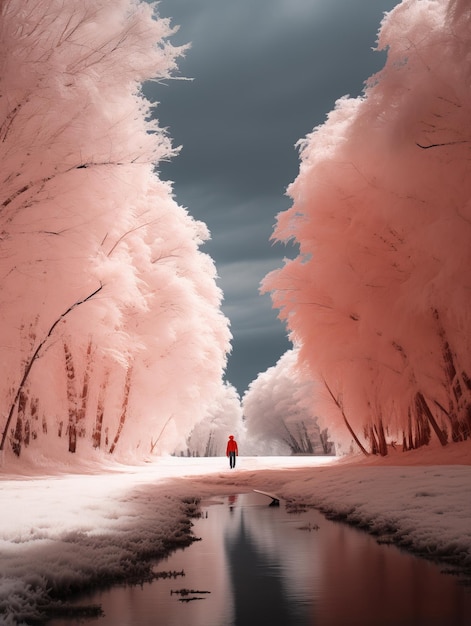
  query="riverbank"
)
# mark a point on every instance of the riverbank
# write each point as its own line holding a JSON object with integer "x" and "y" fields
{"x": 64, "y": 531}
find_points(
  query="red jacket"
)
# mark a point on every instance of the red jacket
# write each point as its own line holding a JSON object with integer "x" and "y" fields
{"x": 231, "y": 446}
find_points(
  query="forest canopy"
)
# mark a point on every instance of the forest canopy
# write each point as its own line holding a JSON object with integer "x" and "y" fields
{"x": 379, "y": 298}
{"x": 107, "y": 303}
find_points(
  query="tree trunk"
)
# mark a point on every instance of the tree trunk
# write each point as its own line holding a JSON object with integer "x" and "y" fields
{"x": 350, "y": 429}
{"x": 84, "y": 394}
{"x": 27, "y": 433}
{"x": 71, "y": 399}
{"x": 382, "y": 445}
{"x": 100, "y": 411}
{"x": 422, "y": 429}
{"x": 423, "y": 408}
{"x": 327, "y": 445}
{"x": 460, "y": 428}
{"x": 34, "y": 412}
{"x": 307, "y": 443}
{"x": 370, "y": 435}
{"x": 209, "y": 445}
{"x": 408, "y": 440}
{"x": 18, "y": 434}
{"x": 124, "y": 408}
{"x": 154, "y": 443}
{"x": 291, "y": 441}
{"x": 467, "y": 383}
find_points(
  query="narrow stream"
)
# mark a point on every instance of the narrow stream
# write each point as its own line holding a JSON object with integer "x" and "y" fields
{"x": 257, "y": 564}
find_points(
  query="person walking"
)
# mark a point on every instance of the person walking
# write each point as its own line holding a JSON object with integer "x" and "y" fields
{"x": 232, "y": 451}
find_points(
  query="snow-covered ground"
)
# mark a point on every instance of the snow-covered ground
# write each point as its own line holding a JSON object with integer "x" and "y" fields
{"x": 63, "y": 530}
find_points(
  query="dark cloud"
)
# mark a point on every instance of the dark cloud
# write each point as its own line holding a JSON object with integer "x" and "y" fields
{"x": 264, "y": 74}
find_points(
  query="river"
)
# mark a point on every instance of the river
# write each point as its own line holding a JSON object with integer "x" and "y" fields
{"x": 258, "y": 564}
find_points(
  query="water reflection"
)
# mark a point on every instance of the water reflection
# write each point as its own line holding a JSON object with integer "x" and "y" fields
{"x": 263, "y": 565}
{"x": 258, "y": 592}
{"x": 303, "y": 570}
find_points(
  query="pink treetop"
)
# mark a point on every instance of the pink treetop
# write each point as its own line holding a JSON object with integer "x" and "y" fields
{"x": 82, "y": 210}
{"x": 379, "y": 297}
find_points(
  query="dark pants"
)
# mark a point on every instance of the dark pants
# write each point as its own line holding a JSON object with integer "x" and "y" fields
{"x": 232, "y": 459}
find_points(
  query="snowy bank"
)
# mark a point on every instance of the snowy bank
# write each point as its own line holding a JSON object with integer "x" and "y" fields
{"x": 71, "y": 531}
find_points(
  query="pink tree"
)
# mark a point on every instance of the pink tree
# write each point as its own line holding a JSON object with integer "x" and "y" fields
{"x": 379, "y": 295}
{"x": 224, "y": 416}
{"x": 280, "y": 411}
{"x": 111, "y": 329}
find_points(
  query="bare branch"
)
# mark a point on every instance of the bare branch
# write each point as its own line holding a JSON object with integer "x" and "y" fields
{"x": 438, "y": 145}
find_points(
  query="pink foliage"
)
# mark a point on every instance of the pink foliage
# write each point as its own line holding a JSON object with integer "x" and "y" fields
{"x": 279, "y": 407}
{"x": 82, "y": 209}
{"x": 224, "y": 415}
{"x": 379, "y": 296}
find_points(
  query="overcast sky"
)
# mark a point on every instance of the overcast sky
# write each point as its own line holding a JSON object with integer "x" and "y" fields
{"x": 264, "y": 74}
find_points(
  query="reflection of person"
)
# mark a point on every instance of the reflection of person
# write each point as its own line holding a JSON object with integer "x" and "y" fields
{"x": 232, "y": 451}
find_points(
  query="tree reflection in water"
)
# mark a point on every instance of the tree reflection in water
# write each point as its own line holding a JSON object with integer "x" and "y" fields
{"x": 258, "y": 593}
